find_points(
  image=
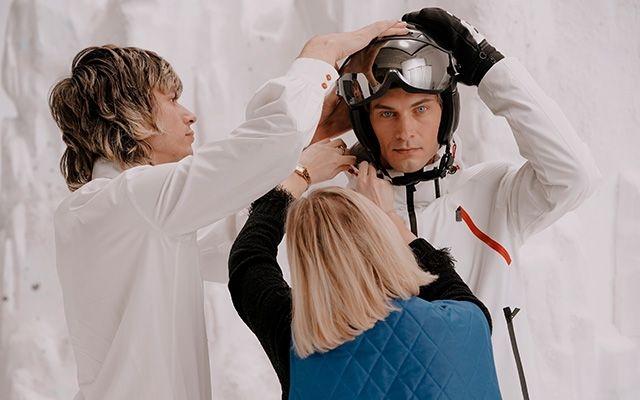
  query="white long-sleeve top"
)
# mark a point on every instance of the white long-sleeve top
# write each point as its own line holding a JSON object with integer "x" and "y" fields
{"x": 127, "y": 255}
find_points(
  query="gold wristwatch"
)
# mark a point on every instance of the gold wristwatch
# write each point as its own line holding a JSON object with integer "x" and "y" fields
{"x": 302, "y": 171}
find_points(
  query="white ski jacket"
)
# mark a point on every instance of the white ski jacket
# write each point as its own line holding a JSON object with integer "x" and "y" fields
{"x": 127, "y": 255}
{"x": 487, "y": 211}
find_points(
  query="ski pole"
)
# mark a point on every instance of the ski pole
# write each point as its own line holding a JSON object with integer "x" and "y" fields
{"x": 508, "y": 315}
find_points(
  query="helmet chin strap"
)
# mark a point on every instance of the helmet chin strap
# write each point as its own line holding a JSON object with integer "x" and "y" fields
{"x": 412, "y": 178}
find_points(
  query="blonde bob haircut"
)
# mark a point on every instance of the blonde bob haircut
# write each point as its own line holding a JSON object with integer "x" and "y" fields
{"x": 348, "y": 264}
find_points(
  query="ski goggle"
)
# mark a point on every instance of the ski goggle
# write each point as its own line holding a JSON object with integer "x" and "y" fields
{"x": 404, "y": 61}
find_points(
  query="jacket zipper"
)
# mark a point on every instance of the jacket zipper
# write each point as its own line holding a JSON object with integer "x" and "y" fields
{"x": 462, "y": 215}
{"x": 411, "y": 209}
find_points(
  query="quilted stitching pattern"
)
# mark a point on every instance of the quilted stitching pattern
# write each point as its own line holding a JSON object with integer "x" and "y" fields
{"x": 425, "y": 350}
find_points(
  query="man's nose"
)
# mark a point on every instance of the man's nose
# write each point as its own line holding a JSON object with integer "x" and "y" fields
{"x": 405, "y": 129}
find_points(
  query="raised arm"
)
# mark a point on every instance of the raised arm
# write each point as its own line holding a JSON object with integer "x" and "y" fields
{"x": 255, "y": 278}
{"x": 224, "y": 176}
{"x": 560, "y": 172}
{"x": 259, "y": 293}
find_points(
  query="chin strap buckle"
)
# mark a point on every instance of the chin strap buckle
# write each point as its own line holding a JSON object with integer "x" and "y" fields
{"x": 446, "y": 163}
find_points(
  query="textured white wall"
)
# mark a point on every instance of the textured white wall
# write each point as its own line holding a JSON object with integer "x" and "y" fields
{"x": 581, "y": 275}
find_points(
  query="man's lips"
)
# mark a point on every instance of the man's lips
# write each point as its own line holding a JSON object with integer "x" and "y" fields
{"x": 407, "y": 150}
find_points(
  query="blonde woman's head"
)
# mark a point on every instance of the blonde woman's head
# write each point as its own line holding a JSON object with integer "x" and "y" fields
{"x": 348, "y": 264}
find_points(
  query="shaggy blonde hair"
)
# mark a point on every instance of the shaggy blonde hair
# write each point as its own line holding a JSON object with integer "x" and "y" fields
{"x": 105, "y": 107}
{"x": 348, "y": 263}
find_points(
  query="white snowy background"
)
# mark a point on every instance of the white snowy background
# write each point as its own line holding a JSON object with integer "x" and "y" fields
{"x": 582, "y": 274}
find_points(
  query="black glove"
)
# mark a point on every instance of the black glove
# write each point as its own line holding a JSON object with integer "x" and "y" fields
{"x": 473, "y": 54}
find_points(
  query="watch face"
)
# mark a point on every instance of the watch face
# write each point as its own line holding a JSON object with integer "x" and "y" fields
{"x": 302, "y": 171}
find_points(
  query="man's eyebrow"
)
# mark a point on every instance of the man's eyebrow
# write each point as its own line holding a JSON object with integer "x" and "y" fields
{"x": 423, "y": 100}
{"x": 383, "y": 107}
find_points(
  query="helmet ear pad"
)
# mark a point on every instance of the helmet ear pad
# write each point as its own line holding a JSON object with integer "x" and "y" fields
{"x": 363, "y": 130}
{"x": 450, "y": 114}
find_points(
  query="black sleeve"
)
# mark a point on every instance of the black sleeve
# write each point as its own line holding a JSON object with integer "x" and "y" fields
{"x": 259, "y": 293}
{"x": 449, "y": 285}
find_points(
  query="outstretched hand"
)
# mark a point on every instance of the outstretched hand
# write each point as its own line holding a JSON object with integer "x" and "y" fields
{"x": 380, "y": 192}
{"x": 336, "y": 46}
{"x": 326, "y": 159}
{"x": 375, "y": 189}
{"x": 334, "y": 120}
{"x": 323, "y": 161}
{"x": 333, "y": 47}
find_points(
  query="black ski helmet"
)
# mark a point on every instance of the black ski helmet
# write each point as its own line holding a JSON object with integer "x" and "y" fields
{"x": 412, "y": 62}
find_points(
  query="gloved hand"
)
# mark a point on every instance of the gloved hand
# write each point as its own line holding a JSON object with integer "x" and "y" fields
{"x": 473, "y": 54}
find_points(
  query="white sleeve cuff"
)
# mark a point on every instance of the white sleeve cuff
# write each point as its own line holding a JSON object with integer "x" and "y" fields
{"x": 317, "y": 73}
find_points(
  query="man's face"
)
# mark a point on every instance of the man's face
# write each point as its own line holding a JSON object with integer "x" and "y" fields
{"x": 406, "y": 125}
{"x": 174, "y": 140}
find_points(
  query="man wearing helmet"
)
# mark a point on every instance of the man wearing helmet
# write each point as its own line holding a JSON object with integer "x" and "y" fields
{"x": 404, "y": 111}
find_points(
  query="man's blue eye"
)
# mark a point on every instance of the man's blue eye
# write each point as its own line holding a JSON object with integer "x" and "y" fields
{"x": 386, "y": 114}
{"x": 422, "y": 109}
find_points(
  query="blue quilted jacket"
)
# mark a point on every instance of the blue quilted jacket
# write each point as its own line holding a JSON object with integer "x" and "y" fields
{"x": 425, "y": 350}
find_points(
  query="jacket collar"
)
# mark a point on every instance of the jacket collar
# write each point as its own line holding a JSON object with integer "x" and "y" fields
{"x": 425, "y": 191}
{"x": 423, "y": 196}
{"x": 103, "y": 168}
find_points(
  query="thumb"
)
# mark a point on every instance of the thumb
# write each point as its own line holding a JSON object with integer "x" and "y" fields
{"x": 411, "y": 17}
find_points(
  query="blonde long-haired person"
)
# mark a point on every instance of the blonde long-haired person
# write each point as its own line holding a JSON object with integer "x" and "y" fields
{"x": 373, "y": 311}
